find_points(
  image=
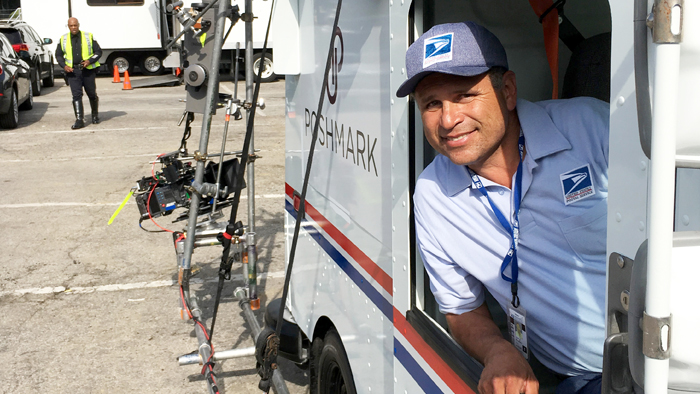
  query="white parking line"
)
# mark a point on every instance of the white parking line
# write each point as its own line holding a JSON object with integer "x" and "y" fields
{"x": 127, "y": 286}
{"x": 101, "y": 204}
{"x": 79, "y": 158}
{"x": 84, "y": 130}
{"x": 62, "y": 204}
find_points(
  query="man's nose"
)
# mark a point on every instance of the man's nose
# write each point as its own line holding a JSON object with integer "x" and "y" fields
{"x": 451, "y": 115}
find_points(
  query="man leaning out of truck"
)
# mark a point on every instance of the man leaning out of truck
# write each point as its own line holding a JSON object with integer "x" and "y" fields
{"x": 516, "y": 204}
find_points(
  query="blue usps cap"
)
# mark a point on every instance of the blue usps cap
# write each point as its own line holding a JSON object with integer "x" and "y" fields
{"x": 465, "y": 49}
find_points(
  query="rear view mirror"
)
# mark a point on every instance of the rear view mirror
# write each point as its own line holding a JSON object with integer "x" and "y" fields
{"x": 48, "y": 41}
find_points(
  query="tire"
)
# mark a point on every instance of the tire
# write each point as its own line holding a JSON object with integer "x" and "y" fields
{"x": 151, "y": 65}
{"x": 11, "y": 118}
{"x": 48, "y": 81}
{"x": 268, "y": 74}
{"x": 28, "y": 103}
{"x": 333, "y": 375}
{"x": 36, "y": 81}
{"x": 122, "y": 61}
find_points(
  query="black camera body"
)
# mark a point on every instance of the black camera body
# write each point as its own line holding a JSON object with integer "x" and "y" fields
{"x": 173, "y": 185}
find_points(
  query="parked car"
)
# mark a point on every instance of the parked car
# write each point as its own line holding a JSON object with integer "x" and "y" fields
{"x": 15, "y": 84}
{"x": 24, "y": 38}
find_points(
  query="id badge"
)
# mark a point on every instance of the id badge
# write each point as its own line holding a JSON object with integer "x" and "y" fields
{"x": 518, "y": 329}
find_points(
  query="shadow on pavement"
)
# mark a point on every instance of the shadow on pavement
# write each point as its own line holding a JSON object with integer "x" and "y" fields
{"x": 106, "y": 115}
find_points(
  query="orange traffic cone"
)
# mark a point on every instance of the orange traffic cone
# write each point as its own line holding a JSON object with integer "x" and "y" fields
{"x": 116, "y": 75}
{"x": 127, "y": 81}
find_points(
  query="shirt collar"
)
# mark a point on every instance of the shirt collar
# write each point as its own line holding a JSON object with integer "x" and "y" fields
{"x": 542, "y": 138}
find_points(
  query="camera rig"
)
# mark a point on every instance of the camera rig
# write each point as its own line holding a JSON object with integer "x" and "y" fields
{"x": 203, "y": 184}
{"x": 170, "y": 188}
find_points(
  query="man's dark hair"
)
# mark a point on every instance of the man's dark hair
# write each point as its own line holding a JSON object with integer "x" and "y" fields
{"x": 496, "y": 76}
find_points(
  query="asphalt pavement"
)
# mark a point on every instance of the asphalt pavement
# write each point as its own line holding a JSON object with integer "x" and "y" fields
{"x": 88, "y": 307}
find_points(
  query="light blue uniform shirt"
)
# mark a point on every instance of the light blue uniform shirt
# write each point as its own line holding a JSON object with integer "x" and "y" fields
{"x": 563, "y": 218}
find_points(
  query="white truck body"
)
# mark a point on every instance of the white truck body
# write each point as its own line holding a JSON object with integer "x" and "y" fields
{"x": 357, "y": 270}
{"x": 132, "y": 30}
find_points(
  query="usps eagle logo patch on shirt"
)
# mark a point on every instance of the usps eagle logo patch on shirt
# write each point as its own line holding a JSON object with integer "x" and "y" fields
{"x": 437, "y": 49}
{"x": 577, "y": 184}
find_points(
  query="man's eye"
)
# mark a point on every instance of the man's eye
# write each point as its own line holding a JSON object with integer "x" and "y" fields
{"x": 432, "y": 104}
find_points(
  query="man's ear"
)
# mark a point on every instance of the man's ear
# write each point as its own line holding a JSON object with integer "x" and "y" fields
{"x": 510, "y": 90}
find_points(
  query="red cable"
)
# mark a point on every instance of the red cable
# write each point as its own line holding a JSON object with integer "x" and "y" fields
{"x": 148, "y": 203}
{"x": 184, "y": 304}
{"x": 153, "y": 167}
{"x": 204, "y": 330}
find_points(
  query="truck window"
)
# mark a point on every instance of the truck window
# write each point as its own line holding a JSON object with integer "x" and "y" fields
{"x": 114, "y": 2}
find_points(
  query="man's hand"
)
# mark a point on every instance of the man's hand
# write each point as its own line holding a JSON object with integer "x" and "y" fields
{"x": 85, "y": 63}
{"x": 507, "y": 372}
{"x": 68, "y": 69}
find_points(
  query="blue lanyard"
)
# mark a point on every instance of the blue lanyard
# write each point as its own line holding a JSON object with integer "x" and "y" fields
{"x": 511, "y": 257}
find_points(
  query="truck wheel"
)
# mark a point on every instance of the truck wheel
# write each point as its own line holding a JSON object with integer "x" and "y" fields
{"x": 122, "y": 61}
{"x": 151, "y": 65}
{"x": 268, "y": 73}
{"x": 48, "y": 81}
{"x": 11, "y": 118}
{"x": 334, "y": 375}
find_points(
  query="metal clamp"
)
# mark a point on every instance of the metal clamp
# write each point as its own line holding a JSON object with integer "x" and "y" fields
{"x": 656, "y": 337}
{"x": 247, "y": 105}
{"x": 666, "y": 21}
{"x": 199, "y": 156}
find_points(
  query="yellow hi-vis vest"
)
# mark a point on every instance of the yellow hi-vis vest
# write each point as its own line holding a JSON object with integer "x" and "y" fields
{"x": 86, "y": 47}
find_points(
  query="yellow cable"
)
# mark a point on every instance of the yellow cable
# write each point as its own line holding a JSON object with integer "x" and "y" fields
{"x": 131, "y": 193}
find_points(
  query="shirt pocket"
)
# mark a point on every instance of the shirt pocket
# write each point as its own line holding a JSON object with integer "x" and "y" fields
{"x": 586, "y": 233}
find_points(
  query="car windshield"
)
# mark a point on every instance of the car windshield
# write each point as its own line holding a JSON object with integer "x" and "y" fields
{"x": 12, "y": 35}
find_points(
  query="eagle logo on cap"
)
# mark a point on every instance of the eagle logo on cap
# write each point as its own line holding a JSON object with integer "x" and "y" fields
{"x": 437, "y": 49}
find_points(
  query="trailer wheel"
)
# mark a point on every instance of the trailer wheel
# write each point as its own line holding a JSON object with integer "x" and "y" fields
{"x": 122, "y": 61}
{"x": 334, "y": 375}
{"x": 151, "y": 65}
{"x": 268, "y": 73}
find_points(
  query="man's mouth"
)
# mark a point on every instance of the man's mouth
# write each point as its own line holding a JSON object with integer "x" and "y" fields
{"x": 458, "y": 138}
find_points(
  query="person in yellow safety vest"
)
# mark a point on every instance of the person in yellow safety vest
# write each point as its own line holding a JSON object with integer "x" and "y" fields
{"x": 78, "y": 54}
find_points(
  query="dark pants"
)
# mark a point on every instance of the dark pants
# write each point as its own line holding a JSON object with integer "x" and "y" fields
{"x": 590, "y": 383}
{"x": 80, "y": 79}
{"x": 585, "y": 384}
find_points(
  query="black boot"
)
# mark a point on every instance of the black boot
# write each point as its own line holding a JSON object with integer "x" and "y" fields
{"x": 94, "y": 104}
{"x": 79, "y": 115}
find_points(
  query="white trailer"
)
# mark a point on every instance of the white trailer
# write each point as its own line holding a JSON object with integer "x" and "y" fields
{"x": 133, "y": 32}
{"x": 359, "y": 292}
